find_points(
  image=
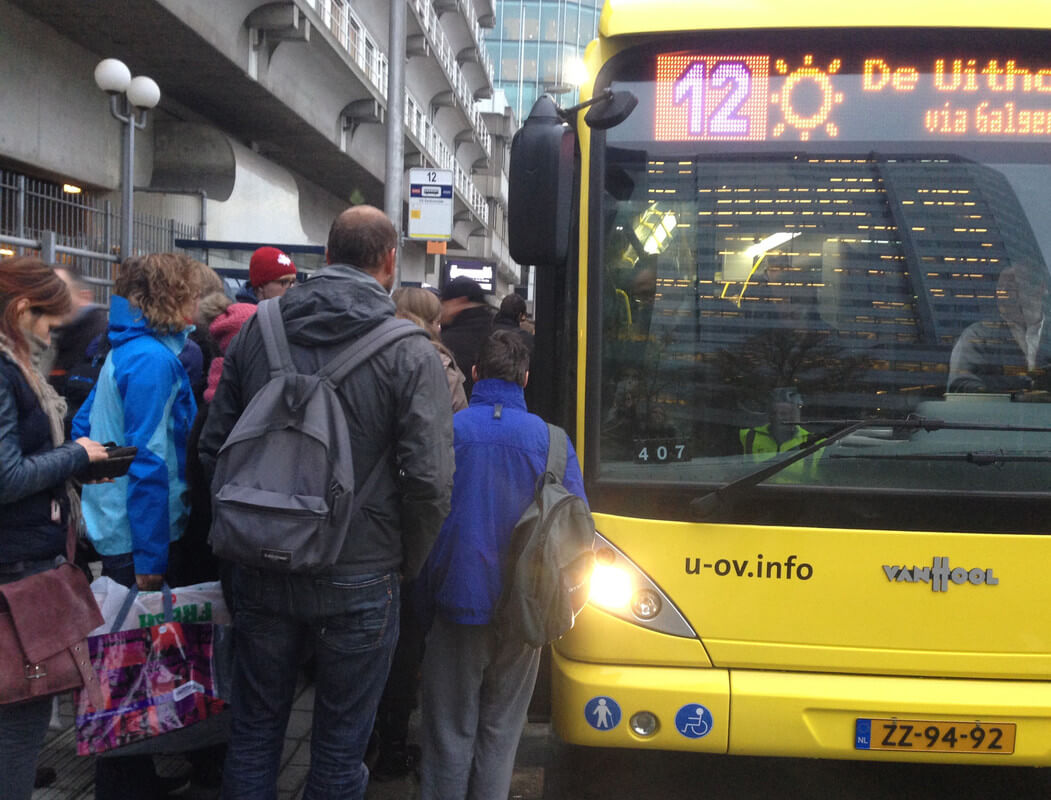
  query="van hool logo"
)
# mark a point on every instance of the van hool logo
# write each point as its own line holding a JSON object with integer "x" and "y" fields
{"x": 939, "y": 574}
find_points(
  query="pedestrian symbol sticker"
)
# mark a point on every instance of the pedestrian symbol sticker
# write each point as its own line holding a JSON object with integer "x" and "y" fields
{"x": 693, "y": 721}
{"x": 602, "y": 713}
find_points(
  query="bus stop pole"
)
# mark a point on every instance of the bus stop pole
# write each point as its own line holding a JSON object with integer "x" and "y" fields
{"x": 394, "y": 176}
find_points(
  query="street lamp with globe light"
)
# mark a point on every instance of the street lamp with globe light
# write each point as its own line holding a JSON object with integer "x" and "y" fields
{"x": 130, "y": 99}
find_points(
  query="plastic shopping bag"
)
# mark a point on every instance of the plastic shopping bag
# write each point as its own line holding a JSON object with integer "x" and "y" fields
{"x": 155, "y": 680}
{"x": 199, "y": 602}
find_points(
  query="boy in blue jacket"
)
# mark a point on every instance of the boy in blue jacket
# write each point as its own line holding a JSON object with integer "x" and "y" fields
{"x": 476, "y": 683}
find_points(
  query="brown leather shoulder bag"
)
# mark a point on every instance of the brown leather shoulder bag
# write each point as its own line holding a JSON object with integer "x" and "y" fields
{"x": 44, "y": 623}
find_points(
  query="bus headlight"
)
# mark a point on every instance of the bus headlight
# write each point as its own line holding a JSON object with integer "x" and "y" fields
{"x": 619, "y": 587}
{"x": 610, "y": 587}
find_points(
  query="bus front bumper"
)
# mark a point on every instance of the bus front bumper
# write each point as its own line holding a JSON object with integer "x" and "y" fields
{"x": 812, "y": 715}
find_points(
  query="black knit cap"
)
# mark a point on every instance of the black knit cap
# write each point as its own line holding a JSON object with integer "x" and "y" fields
{"x": 463, "y": 287}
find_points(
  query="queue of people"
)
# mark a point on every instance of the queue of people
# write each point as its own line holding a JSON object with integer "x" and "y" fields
{"x": 172, "y": 366}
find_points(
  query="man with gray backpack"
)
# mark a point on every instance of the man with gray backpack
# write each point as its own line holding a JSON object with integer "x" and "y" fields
{"x": 510, "y": 569}
{"x": 329, "y": 449}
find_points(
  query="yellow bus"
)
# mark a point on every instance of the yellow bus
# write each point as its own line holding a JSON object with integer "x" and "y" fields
{"x": 797, "y": 256}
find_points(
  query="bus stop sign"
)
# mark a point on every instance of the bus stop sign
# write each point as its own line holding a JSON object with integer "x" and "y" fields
{"x": 430, "y": 204}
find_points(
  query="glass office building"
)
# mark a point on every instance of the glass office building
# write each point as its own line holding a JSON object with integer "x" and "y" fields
{"x": 536, "y": 47}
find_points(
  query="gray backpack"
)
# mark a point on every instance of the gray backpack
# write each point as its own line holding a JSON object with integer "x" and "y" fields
{"x": 551, "y": 558}
{"x": 284, "y": 479}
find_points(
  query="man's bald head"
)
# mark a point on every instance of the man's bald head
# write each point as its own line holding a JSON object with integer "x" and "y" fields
{"x": 363, "y": 237}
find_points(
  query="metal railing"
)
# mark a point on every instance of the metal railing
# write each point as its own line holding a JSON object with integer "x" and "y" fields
{"x": 349, "y": 31}
{"x": 475, "y": 199}
{"x": 353, "y": 37}
{"x": 446, "y": 56}
{"x": 420, "y": 125}
{"x": 39, "y": 218}
{"x": 428, "y": 17}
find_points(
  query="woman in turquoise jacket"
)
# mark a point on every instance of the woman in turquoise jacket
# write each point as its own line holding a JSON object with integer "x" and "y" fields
{"x": 142, "y": 399}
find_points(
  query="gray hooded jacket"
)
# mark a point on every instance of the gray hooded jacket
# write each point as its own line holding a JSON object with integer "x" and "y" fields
{"x": 397, "y": 408}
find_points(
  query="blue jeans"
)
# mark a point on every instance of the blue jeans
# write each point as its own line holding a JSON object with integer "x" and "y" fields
{"x": 350, "y": 624}
{"x": 23, "y": 728}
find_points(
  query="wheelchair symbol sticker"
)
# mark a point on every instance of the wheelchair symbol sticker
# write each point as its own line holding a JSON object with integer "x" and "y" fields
{"x": 602, "y": 713}
{"x": 693, "y": 721}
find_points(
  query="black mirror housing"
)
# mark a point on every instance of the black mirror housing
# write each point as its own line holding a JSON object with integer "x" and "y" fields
{"x": 539, "y": 206}
{"x": 611, "y": 110}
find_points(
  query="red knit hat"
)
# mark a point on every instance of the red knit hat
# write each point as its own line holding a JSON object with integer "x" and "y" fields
{"x": 269, "y": 264}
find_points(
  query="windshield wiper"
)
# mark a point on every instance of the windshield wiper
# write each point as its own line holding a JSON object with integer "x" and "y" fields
{"x": 981, "y": 458}
{"x": 707, "y": 504}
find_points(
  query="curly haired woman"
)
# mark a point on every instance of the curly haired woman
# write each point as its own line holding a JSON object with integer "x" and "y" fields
{"x": 35, "y": 466}
{"x": 142, "y": 399}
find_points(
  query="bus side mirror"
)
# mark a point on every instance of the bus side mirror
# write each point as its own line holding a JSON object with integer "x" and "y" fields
{"x": 610, "y": 109}
{"x": 539, "y": 203}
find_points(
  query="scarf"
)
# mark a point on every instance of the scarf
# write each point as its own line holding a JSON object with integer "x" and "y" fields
{"x": 53, "y": 406}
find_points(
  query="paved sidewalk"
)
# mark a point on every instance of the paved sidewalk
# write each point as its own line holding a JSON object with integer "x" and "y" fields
{"x": 76, "y": 774}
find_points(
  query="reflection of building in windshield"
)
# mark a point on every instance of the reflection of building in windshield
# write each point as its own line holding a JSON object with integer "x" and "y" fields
{"x": 890, "y": 258}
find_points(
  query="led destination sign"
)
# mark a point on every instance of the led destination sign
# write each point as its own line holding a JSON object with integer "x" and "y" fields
{"x": 763, "y": 98}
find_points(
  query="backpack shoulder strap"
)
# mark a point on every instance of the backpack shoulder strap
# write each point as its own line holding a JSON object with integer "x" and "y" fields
{"x": 275, "y": 339}
{"x": 364, "y": 347}
{"x": 557, "y": 452}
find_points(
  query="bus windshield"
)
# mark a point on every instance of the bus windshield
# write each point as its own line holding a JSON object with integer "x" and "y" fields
{"x": 788, "y": 237}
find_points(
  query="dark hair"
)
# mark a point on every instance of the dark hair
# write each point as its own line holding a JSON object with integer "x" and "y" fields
{"x": 29, "y": 278}
{"x": 161, "y": 285}
{"x": 505, "y": 356}
{"x": 462, "y": 286}
{"x": 513, "y": 306}
{"x": 361, "y": 236}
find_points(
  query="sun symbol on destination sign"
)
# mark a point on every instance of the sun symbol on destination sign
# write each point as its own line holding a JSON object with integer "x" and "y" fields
{"x": 808, "y": 78}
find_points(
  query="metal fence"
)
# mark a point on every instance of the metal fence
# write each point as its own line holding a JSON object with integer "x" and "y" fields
{"x": 42, "y": 218}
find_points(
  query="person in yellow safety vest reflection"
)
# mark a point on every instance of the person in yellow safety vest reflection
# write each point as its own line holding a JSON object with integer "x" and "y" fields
{"x": 783, "y": 432}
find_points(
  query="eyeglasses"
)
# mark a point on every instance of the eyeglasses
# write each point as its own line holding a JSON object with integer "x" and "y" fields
{"x": 285, "y": 283}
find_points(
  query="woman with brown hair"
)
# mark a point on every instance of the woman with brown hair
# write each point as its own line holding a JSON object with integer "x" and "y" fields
{"x": 37, "y": 502}
{"x": 201, "y": 348}
{"x": 142, "y": 399}
{"x": 425, "y": 309}
{"x": 394, "y": 756}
